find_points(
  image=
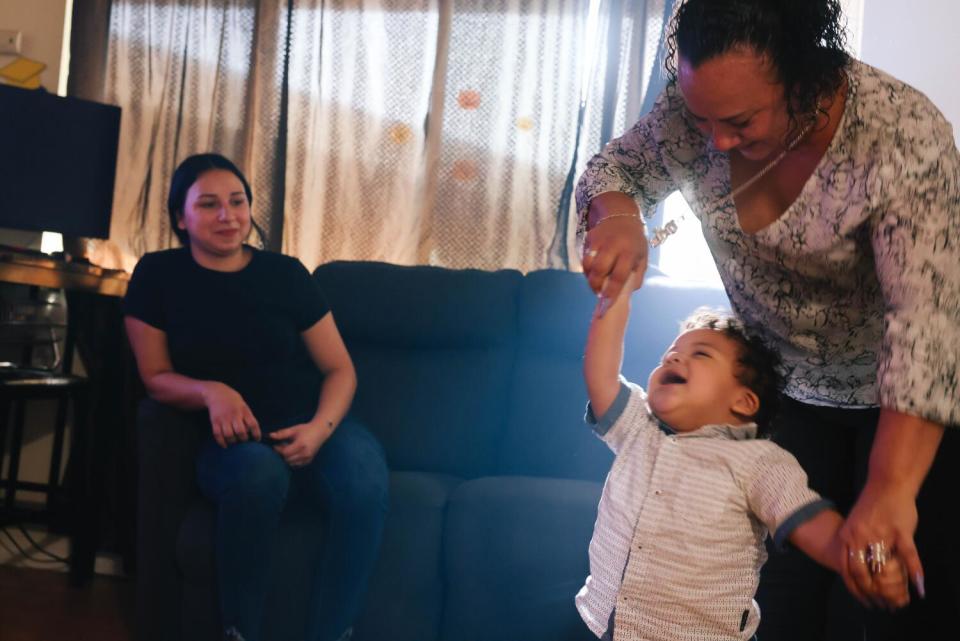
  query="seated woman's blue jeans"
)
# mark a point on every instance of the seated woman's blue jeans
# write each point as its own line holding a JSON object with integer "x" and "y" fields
{"x": 250, "y": 482}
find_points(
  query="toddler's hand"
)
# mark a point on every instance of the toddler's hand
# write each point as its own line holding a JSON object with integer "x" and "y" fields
{"x": 604, "y": 302}
{"x": 891, "y": 583}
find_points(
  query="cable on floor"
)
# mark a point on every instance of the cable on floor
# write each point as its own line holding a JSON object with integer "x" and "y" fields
{"x": 26, "y": 555}
{"x": 39, "y": 547}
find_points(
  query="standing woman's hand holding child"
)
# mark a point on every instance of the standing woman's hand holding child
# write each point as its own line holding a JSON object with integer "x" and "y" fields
{"x": 616, "y": 245}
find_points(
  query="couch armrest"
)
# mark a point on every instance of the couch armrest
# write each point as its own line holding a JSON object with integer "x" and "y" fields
{"x": 167, "y": 445}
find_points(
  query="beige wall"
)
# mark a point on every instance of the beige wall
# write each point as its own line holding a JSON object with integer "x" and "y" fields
{"x": 917, "y": 42}
{"x": 42, "y": 24}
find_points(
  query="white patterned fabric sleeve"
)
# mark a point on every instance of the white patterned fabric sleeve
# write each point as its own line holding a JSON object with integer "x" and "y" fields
{"x": 627, "y": 414}
{"x": 778, "y": 494}
{"x": 641, "y": 163}
{"x": 916, "y": 244}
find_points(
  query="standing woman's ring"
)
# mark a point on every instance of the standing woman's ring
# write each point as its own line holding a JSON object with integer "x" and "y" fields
{"x": 859, "y": 555}
{"x": 876, "y": 557}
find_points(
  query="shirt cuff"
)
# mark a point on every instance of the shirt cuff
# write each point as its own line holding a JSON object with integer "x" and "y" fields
{"x": 603, "y": 425}
{"x": 798, "y": 518}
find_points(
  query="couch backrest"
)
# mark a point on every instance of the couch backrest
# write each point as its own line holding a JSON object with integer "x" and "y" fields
{"x": 657, "y": 310}
{"x": 433, "y": 349}
{"x": 545, "y": 434}
{"x": 471, "y": 373}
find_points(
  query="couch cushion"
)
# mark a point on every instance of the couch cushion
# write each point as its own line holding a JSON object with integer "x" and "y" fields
{"x": 434, "y": 410}
{"x": 433, "y": 349}
{"x": 545, "y": 434}
{"x": 515, "y": 556}
{"x": 405, "y": 597}
{"x": 420, "y": 307}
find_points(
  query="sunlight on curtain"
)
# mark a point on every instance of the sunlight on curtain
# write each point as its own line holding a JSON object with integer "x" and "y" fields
{"x": 360, "y": 79}
{"x": 627, "y": 41}
{"x": 511, "y": 98}
{"x": 425, "y": 132}
{"x": 430, "y": 132}
{"x": 416, "y": 131}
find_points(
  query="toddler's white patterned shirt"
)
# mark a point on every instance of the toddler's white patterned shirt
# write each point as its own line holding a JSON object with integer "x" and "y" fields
{"x": 679, "y": 539}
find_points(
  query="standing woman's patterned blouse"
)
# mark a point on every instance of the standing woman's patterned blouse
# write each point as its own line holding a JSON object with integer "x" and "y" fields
{"x": 858, "y": 282}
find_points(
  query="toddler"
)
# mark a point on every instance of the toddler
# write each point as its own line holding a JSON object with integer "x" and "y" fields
{"x": 692, "y": 493}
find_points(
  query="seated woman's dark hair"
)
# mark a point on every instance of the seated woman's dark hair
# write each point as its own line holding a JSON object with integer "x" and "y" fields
{"x": 186, "y": 174}
{"x": 805, "y": 40}
{"x": 758, "y": 365}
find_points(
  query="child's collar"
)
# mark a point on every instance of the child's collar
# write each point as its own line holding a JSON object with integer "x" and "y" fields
{"x": 743, "y": 432}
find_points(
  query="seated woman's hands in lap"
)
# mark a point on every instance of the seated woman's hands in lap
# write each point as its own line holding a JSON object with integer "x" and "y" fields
{"x": 230, "y": 416}
{"x": 298, "y": 444}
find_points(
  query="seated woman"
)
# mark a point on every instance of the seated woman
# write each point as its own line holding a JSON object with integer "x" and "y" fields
{"x": 246, "y": 335}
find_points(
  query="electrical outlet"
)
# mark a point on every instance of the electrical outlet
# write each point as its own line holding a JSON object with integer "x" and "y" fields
{"x": 9, "y": 41}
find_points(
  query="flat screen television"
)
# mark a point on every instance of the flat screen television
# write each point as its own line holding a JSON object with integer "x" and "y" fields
{"x": 58, "y": 162}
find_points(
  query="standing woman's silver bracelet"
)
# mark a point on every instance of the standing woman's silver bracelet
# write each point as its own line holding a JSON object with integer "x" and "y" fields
{"x": 620, "y": 215}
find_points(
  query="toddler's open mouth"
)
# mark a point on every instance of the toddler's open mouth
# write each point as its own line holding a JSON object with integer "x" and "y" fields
{"x": 672, "y": 378}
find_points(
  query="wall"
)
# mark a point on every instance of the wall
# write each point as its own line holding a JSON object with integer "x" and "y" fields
{"x": 917, "y": 43}
{"x": 853, "y": 14}
{"x": 42, "y": 23}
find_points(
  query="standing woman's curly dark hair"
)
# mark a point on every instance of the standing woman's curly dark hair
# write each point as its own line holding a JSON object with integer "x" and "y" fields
{"x": 805, "y": 40}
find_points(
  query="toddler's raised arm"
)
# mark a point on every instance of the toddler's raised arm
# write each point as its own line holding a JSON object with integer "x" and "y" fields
{"x": 604, "y": 352}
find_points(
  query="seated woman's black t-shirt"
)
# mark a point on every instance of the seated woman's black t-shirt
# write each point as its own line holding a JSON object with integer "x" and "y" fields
{"x": 240, "y": 328}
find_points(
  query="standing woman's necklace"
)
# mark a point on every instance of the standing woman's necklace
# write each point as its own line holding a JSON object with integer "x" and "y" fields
{"x": 660, "y": 234}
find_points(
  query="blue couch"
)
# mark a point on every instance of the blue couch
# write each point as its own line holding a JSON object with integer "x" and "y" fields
{"x": 472, "y": 382}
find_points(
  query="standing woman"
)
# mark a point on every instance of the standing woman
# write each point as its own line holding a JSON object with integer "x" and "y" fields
{"x": 829, "y": 195}
{"x": 246, "y": 335}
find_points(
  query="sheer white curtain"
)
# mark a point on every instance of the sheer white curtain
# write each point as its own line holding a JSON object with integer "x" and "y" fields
{"x": 445, "y": 132}
{"x": 431, "y": 132}
{"x": 623, "y": 74}
{"x": 360, "y": 81}
{"x": 442, "y": 132}
{"x": 511, "y": 98}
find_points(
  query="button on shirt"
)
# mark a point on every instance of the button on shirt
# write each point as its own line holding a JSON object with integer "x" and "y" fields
{"x": 679, "y": 539}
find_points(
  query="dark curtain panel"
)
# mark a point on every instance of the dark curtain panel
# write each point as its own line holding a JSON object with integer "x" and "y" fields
{"x": 88, "y": 48}
{"x": 101, "y": 341}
